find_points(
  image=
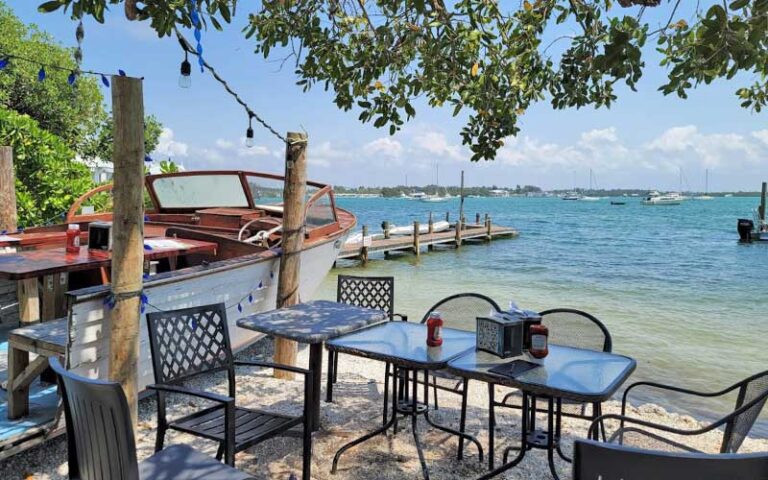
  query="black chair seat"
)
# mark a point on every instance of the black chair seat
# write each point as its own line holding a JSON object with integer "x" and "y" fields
{"x": 250, "y": 425}
{"x": 181, "y": 462}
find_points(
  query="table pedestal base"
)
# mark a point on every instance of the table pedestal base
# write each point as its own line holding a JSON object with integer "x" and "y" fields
{"x": 531, "y": 438}
{"x": 402, "y": 405}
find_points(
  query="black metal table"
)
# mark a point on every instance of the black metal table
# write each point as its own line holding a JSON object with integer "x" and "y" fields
{"x": 565, "y": 374}
{"x": 404, "y": 346}
{"x": 313, "y": 323}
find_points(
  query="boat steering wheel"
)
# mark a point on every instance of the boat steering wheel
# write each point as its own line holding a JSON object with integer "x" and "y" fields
{"x": 261, "y": 237}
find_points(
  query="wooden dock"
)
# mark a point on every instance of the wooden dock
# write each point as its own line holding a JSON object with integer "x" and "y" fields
{"x": 477, "y": 232}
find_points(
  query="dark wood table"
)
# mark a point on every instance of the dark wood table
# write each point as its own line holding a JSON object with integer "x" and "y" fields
{"x": 313, "y": 323}
{"x": 50, "y": 267}
{"x": 571, "y": 374}
{"x": 404, "y": 345}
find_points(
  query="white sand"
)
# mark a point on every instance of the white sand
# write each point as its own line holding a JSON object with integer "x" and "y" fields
{"x": 357, "y": 409}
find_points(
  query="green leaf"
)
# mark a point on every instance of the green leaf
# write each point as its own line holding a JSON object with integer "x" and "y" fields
{"x": 738, "y": 4}
{"x": 48, "y": 7}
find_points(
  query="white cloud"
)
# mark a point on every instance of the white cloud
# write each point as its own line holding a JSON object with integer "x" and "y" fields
{"x": 225, "y": 144}
{"x": 761, "y": 135}
{"x": 385, "y": 146}
{"x": 679, "y": 146}
{"x": 168, "y": 147}
{"x": 437, "y": 144}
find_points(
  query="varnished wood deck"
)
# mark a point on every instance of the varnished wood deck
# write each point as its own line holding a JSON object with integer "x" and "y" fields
{"x": 448, "y": 237}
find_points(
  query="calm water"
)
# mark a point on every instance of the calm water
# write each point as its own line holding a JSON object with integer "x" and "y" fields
{"x": 674, "y": 287}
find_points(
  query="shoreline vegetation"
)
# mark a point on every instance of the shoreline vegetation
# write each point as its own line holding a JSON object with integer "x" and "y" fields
{"x": 496, "y": 191}
{"x": 356, "y": 410}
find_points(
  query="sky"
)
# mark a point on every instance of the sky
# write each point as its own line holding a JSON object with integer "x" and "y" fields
{"x": 642, "y": 142}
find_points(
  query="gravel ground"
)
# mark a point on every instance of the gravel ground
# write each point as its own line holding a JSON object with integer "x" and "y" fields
{"x": 356, "y": 410}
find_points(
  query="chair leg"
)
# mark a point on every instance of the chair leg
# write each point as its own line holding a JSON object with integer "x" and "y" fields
{"x": 463, "y": 419}
{"x": 160, "y": 439}
{"x": 434, "y": 388}
{"x": 306, "y": 470}
{"x": 386, "y": 393}
{"x": 329, "y": 380}
{"x": 492, "y": 424}
{"x": 220, "y": 452}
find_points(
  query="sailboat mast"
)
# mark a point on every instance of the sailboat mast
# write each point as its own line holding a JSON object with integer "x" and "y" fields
{"x": 706, "y": 181}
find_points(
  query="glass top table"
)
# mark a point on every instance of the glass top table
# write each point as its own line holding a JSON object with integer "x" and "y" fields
{"x": 313, "y": 322}
{"x": 404, "y": 346}
{"x": 567, "y": 373}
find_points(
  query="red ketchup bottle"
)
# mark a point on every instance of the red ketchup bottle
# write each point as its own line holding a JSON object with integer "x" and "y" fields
{"x": 434, "y": 330}
{"x": 539, "y": 341}
{"x": 73, "y": 239}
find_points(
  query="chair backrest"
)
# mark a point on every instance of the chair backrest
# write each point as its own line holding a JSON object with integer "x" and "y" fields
{"x": 190, "y": 341}
{"x": 574, "y": 328}
{"x": 754, "y": 391}
{"x": 593, "y": 461}
{"x": 377, "y": 293}
{"x": 461, "y": 310}
{"x": 99, "y": 430}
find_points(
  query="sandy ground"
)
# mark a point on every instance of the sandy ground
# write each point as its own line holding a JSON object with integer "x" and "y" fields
{"x": 356, "y": 409}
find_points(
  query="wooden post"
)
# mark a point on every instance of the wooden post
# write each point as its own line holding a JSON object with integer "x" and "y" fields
{"x": 489, "y": 228}
{"x": 458, "y": 233}
{"x": 128, "y": 235}
{"x": 8, "y": 218}
{"x": 431, "y": 225}
{"x": 461, "y": 198}
{"x": 416, "y": 238}
{"x": 477, "y": 218}
{"x": 763, "y": 200}
{"x": 364, "y": 249}
{"x": 293, "y": 240}
{"x": 447, "y": 216}
{"x": 385, "y": 227}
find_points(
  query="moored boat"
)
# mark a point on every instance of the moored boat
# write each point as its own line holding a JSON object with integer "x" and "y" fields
{"x": 656, "y": 198}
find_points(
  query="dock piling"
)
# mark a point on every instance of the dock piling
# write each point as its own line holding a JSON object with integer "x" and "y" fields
{"x": 489, "y": 228}
{"x": 385, "y": 227}
{"x": 364, "y": 249}
{"x": 763, "y": 200}
{"x": 416, "y": 239}
{"x": 447, "y": 216}
{"x": 477, "y": 218}
{"x": 458, "y": 234}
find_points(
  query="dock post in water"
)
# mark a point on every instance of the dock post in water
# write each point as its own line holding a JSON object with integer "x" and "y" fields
{"x": 489, "y": 228}
{"x": 477, "y": 218}
{"x": 461, "y": 199}
{"x": 128, "y": 236}
{"x": 447, "y": 216}
{"x": 364, "y": 249}
{"x": 293, "y": 240}
{"x": 431, "y": 230}
{"x": 763, "y": 200}
{"x": 458, "y": 233}
{"x": 416, "y": 238}
{"x": 385, "y": 227}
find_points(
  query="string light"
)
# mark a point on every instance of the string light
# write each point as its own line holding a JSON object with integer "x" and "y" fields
{"x": 249, "y": 134}
{"x": 185, "y": 78}
{"x": 7, "y": 59}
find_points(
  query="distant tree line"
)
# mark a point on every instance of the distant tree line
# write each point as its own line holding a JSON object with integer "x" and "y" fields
{"x": 436, "y": 189}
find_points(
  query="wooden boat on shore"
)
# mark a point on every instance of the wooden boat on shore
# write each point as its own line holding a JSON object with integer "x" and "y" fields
{"x": 210, "y": 236}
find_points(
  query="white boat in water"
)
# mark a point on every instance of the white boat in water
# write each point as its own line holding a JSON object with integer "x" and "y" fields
{"x": 587, "y": 198}
{"x": 435, "y": 198}
{"x": 656, "y": 198}
{"x": 573, "y": 196}
{"x": 440, "y": 226}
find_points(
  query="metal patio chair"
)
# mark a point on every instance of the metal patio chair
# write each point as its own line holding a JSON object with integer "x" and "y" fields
{"x": 193, "y": 341}
{"x": 368, "y": 292}
{"x": 459, "y": 311}
{"x": 751, "y": 395}
{"x": 101, "y": 445}
{"x": 593, "y": 460}
{"x": 571, "y": 328}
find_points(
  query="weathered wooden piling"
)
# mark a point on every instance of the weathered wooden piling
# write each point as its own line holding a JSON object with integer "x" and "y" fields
{"x": 489, "y": 229}
{"x": 477, "y": 218}
{"x": 128, "y": 235}
{"x": 447, "y": 216}
{"x": 431, "y": 231}
{"x": 8, "y": 218}
{"x": 763, "y": 196}
{"x": 364, "y": 248}
{"x": 416, "y": 238}
{"x": 385, "y": 227}
{"x": 293, "y": 241}
{"x": 457, "y": 238}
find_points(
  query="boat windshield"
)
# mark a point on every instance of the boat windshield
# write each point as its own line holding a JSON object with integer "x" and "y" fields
{"x": 200, "y": 191}
{"x": 269, "y": 191}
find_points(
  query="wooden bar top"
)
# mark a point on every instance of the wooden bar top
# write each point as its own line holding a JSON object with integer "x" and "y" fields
{"x": 36, "y": 263}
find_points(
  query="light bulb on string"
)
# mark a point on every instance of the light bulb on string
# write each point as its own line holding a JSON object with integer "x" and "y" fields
{"x": 249, "y": 134}
{"x": 185, "y": 78}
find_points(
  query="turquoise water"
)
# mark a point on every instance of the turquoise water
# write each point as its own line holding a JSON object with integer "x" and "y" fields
{"x": 675, "y": 288}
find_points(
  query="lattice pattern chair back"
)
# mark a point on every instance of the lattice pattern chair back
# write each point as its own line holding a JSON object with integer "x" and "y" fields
{"x": 752, "y": 390}
{"x": 461, "y": 311}
{"x": 188, "y": 342}
{"x": 574, "y": 328}
{"x": 368, "y": 292}
{"x": 99, "y": 430}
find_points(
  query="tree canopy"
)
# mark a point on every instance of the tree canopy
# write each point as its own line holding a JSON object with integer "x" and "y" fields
{"x": 492, "y": 59}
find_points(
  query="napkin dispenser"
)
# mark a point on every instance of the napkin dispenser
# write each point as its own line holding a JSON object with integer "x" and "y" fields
{"x": 100, "y": 236}
{"x": 501, "y": 334}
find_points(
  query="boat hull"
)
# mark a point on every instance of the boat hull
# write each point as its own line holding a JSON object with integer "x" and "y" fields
{"x": 245, "y": 285}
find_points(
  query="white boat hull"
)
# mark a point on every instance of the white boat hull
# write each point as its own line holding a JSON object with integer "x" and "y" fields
{"x": 230, "y": 282}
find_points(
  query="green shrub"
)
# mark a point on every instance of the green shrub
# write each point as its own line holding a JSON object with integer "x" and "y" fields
{"x": 48, "y": 179}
